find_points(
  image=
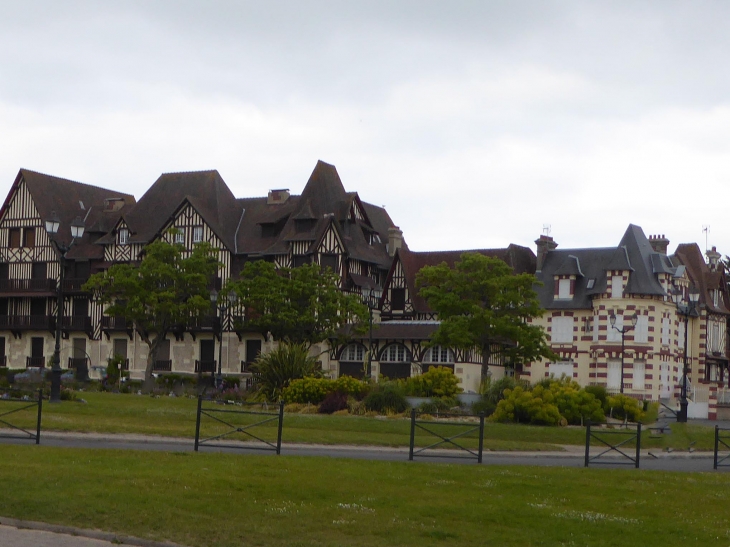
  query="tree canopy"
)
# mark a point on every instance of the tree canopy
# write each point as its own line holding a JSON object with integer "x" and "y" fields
{"x": 297, "y": 305}
{"x": 482, "y": 302}
{"x": 167, "y": 289}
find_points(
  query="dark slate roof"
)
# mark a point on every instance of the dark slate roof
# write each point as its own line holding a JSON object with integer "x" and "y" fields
{"x": 520, "y": 259}
{"x": 325, "y": 200}
{"x": 65, "y": 198}
{"x": 689, "y": 255}
{"x": 570, "y": 266}
{"x": 634, "y": 254}
{"x": 204, "y": 190}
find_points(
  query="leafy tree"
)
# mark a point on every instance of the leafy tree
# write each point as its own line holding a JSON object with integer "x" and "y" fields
{"x": 296, "y": 305}
{"x": 482, "y": 302}
{"x": 165, "y": 290}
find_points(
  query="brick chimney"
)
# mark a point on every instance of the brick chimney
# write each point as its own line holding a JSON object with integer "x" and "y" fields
{"x": 713, "y": 258}
{"x": 659, "y": 243}
{"x": 544, "y": 244}
{"x": 278, "y": 196}
{"x": 395, "y": 240}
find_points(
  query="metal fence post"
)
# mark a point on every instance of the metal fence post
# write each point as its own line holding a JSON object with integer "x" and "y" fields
{"x": 481, "y": 436}
{"x": 38, "y": 423}
{"x": 588, "y": 442}
{"x": 413, "y": 433}
{"x": 638, "y": 443}
{"x": 281, "y": 423}
{"x": 197, "y": 420}
{"x": 717, "y": 445}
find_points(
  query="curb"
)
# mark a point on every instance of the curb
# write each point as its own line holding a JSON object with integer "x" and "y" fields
{"x": 85, "y": 533}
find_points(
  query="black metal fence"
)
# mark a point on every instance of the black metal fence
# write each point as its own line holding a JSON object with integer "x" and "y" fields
{"x": 222, "y": 414}
{"x": 722, "y": 448}
{"x": 615, "y": 442}
{"x": 460, "y": 430}
{"x": 14, "y": 405}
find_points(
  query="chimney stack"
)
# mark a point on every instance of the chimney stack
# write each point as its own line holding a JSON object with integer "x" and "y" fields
{"x": 713, "y": 258}
{"x": 544, "y": 244}
{"x": 278, "y": 196}
{"x": 395, "y": 240}
{"x": 659, "y": 243}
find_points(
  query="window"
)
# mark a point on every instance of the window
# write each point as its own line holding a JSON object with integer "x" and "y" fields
{"x": 560, "y": 369}
{"x": 680, "y": 335}
{"x": 14, "y": 238}
{"x": 197, "y": 234}
{"x": 29, "y": 237}
{"x": 123, "y": 236}
{"x": 562, "y": 330}
{"x": 180, "y": 236}
{"x": 639, "y": 374}
{"x": 715, "y": 337}
{"x": 614, "y": 334}
{"x": 641, "y": 331}
{"x": 595, "y": 328}
{"x": 39, "y": 270}
{"x": 439, "y": 354}
{"x": 398, "y": 299}
{"x": 665, "y": 331}
{"x": 300, "y": 260}
{"x": 614, "y": 374}
{"x": 711, "y": 372}
{"x": 354, "y": 353}
{"x": 715, "y": 297}
{"x": 395, "y": 353}
{"x": 328, "y": 261}
{"x": 564, "y": 289}
{"x": 590, "y": 284}
{"x": 617, "y": 286}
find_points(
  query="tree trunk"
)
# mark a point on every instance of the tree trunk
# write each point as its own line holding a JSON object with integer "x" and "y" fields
{"x": 154, "y": 346}
{"x": 485, "y": 362}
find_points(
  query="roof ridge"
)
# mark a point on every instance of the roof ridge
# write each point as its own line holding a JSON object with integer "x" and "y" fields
{"x": 24, "y": 170}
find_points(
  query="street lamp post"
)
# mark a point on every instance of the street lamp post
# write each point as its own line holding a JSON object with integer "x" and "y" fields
{"x": 371, "y": 299}
{"x": 77, "y": 230}
{"x": 623, "y": 330}
{"x": 687, "y": 310}
{"x": 224, "y": 306}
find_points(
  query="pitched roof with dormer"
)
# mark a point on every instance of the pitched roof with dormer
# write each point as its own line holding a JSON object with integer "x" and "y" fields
{"x": 703, "y": 277}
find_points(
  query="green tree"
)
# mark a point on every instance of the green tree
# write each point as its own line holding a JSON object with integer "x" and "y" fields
{"x": 168, "y": 288}
{"x": 296, "y": 305}
{"x": 482, "y": 302}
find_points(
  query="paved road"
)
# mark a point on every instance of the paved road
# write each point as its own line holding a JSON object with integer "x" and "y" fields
{"x": 15, "y": 537}
{"x": 572, "y": 457}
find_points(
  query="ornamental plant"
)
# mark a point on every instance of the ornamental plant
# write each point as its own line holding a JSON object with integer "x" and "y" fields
{"x": 436, "y": 382}
{"x": 623, "y": 407}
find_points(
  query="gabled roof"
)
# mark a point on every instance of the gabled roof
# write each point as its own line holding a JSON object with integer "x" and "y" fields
{"x": 206, "y": 191}
{"x": 633, "y": 254}
{"x": 520, "y": 259}
{"x": 689, "y": 255}
{"x": 70, "y": 199}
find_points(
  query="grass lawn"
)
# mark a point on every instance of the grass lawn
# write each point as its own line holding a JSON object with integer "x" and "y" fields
{"x": 171, "y": 416}
{"x": 227, "y": 500}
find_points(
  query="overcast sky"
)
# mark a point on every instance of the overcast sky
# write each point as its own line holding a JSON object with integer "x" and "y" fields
{"x": 475, "y": 123}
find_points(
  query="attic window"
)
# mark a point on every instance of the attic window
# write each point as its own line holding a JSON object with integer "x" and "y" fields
{"x": 564, "y": 289}
{"x": 123, "y": 236}
{"x": 197, "y": 234}
{"x": 590, "y": 284}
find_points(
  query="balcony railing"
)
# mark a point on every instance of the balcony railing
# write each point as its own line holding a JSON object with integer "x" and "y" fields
{"x": 27, "y": 285}
{"x": 27, "y": 322}
{"x": 76, "y": 362}
{"x": 205, "y": 366}
{"x": 109, "y": 322}
{"x": 207, "y": 323}
{"x": 80, "y": 323}
{"x": 35, "y": 362}
{"x": 162, "y": 365}
{"x": 73, "y": 285}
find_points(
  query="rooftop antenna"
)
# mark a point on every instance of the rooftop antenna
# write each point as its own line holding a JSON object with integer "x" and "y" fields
{"x": 706, "y": 229}
{"x": 546, "y": 229}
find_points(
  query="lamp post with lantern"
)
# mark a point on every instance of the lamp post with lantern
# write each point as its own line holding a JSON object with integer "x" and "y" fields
{"x": 623, "y": 330}
{"x": 687, "y": 310}
{"x": 53, "y": 224}
{"x": 371, "y": 299}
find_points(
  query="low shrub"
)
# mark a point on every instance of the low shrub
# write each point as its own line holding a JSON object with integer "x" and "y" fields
{"x": 436, "y": 382}
{"x": 355, "y": 407}
{"x": 308, "y": 390}
{"x": 294, "y": 408}
{"x": 575, "y": 404}
{"x": 623, "y": 407}
{"x": 522, "y": 405}
{"x": 351, "y": 386}
{"x": 599, "y": 392}
{"x": 387, "y": 398}
{"x": 484, "y": 405}
{"x": 334, "y": 402}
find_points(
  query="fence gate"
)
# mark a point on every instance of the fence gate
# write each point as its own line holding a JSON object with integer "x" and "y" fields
{"x": 226, "y": 416}
{"x": 12, "y": 405}
{"x": 722, "y": 438}
{"x": 614, "y": 441}
{"x": 464, "y": 428}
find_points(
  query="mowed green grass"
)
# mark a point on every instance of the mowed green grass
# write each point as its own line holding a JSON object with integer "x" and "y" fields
{"x": 226, "y": 500}
{"x": 175, "y": 417}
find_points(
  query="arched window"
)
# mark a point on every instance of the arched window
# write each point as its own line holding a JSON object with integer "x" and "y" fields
{"x": 439, "y": 354}
{"x": 395, "y": 353}
{"x": 354, "y": 353}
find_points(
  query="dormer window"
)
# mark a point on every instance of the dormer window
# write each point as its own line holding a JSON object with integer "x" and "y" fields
{"x": 715, "y": 297}
{"x": 591, "y": 283}
{"x": 123, "y": 236}
{"x": 180, "y": 237}
{"x": 197, "y": 234}
{"x": 565, "y": 289}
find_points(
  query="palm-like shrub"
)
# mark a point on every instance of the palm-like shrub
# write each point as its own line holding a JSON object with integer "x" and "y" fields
{"x": 279, "y": 367}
